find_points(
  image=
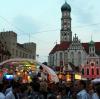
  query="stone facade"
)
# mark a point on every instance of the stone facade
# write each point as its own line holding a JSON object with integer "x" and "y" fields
{"x": 26, "y": 50}
{"x": 4, "y": 53}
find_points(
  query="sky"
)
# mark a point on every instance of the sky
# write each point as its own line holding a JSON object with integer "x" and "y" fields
{"x": 39, "y": 21}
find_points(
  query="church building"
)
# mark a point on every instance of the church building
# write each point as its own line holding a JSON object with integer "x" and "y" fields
{"x": 71, "y": 49}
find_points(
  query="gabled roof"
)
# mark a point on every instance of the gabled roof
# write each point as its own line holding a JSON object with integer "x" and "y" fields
{"x": 97, "y": 47}
{"x": 65, "y": 45}
{"x": 60, "y": 47}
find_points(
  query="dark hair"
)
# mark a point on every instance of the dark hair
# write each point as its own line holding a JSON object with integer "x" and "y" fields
{"x": 52, "y": 97}
{"x": 41, "y": 68}
{"x": 83, "y": 83}
{"x": 98, "y": 90}
{"x": 1, "y": 87}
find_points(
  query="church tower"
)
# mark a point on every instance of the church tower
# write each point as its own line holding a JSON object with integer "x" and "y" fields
{"x": 66, "y": 33}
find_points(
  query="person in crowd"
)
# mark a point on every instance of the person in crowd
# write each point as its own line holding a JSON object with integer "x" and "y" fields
{"x": 2, "y": 96}
{"x": 24, "y": 91}
{"x": 90, "y": 89}
{"x": 36, "y": 89}
{"x": 43, "y": 88}
{"x": 82, "y": 94}
{"x": 52, "y": 97}
{"x": 14, "y": 93}
{"x": 96, "y": 95}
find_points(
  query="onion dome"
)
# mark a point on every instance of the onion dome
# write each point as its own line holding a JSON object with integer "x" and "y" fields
{"x": 66, "y": 7}
{"x": 91, "y": 43}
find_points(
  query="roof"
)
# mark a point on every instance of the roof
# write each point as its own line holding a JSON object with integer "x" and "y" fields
{"x": 97, "y": 47}
{"x": 65, "y": 7}
{"x": 86, "y": 47}
{"x": 65, "y": 45}
{"x": 60, "y": 47}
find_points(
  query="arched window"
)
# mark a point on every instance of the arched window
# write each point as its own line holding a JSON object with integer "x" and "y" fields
{"x": 65, "y": 58}
{"x": 82, "y": 71}
{"x": 92, "y": 71}
{"x": 72, "y": 57}
{"x": 79, "y": 58}
{"x": 61, "y": 56}
{"x": 87, "y": 71}
{"x": 97, "y": 71}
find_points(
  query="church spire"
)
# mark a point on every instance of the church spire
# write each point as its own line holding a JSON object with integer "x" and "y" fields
{"x": 66, "y": 33}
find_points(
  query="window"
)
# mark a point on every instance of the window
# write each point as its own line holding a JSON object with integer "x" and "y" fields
{"x": 65, "y": 13}
{"x": 87, "y": 62}
{"x": 65, "y": 58}
{"x": 79, "y": 58}
{"x": 87, "y": 71}
{"x": 72, "y": 57}
{"x": 92, "y": 71}
{"x": 65, "y": 27}
{"x": 61, "y": 57}
{"x": 93, "y": 49}
{"x": 97, "y": 71}
{"x": 65, "y": 20}
{"x": 83, "y": 71}
{"x": 16, "y": 53}
{"x": 92, "y": 64}
{"x": 65, "y": 34}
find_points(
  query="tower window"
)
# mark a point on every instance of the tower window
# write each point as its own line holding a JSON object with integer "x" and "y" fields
{"x": 93, "y": 49}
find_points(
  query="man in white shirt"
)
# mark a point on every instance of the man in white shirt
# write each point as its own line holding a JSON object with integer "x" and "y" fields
{"x": 82, "y": 94}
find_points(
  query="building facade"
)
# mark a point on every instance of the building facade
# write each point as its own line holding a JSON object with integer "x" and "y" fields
{"x": 4, "y": 53}
{"x": 26, "y": 50}
{"x": 71, "y": 49}
{"x": 91, "y": 66}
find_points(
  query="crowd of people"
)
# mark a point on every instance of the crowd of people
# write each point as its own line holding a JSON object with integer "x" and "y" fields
{"x": 42, "y": 89}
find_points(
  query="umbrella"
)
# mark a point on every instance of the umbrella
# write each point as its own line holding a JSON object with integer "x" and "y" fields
{"x": 53, "y": 76}
{"x": 95, "y": 81}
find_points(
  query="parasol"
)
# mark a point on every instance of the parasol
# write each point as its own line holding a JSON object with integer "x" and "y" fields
{"x": 95, "y": 81}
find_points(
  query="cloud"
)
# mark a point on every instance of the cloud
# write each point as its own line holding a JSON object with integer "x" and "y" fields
{"x": 25, "y": 24}
{"x": 85, "y": 18}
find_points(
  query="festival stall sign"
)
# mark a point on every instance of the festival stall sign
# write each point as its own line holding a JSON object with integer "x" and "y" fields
{"x": 78, "y": 77}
